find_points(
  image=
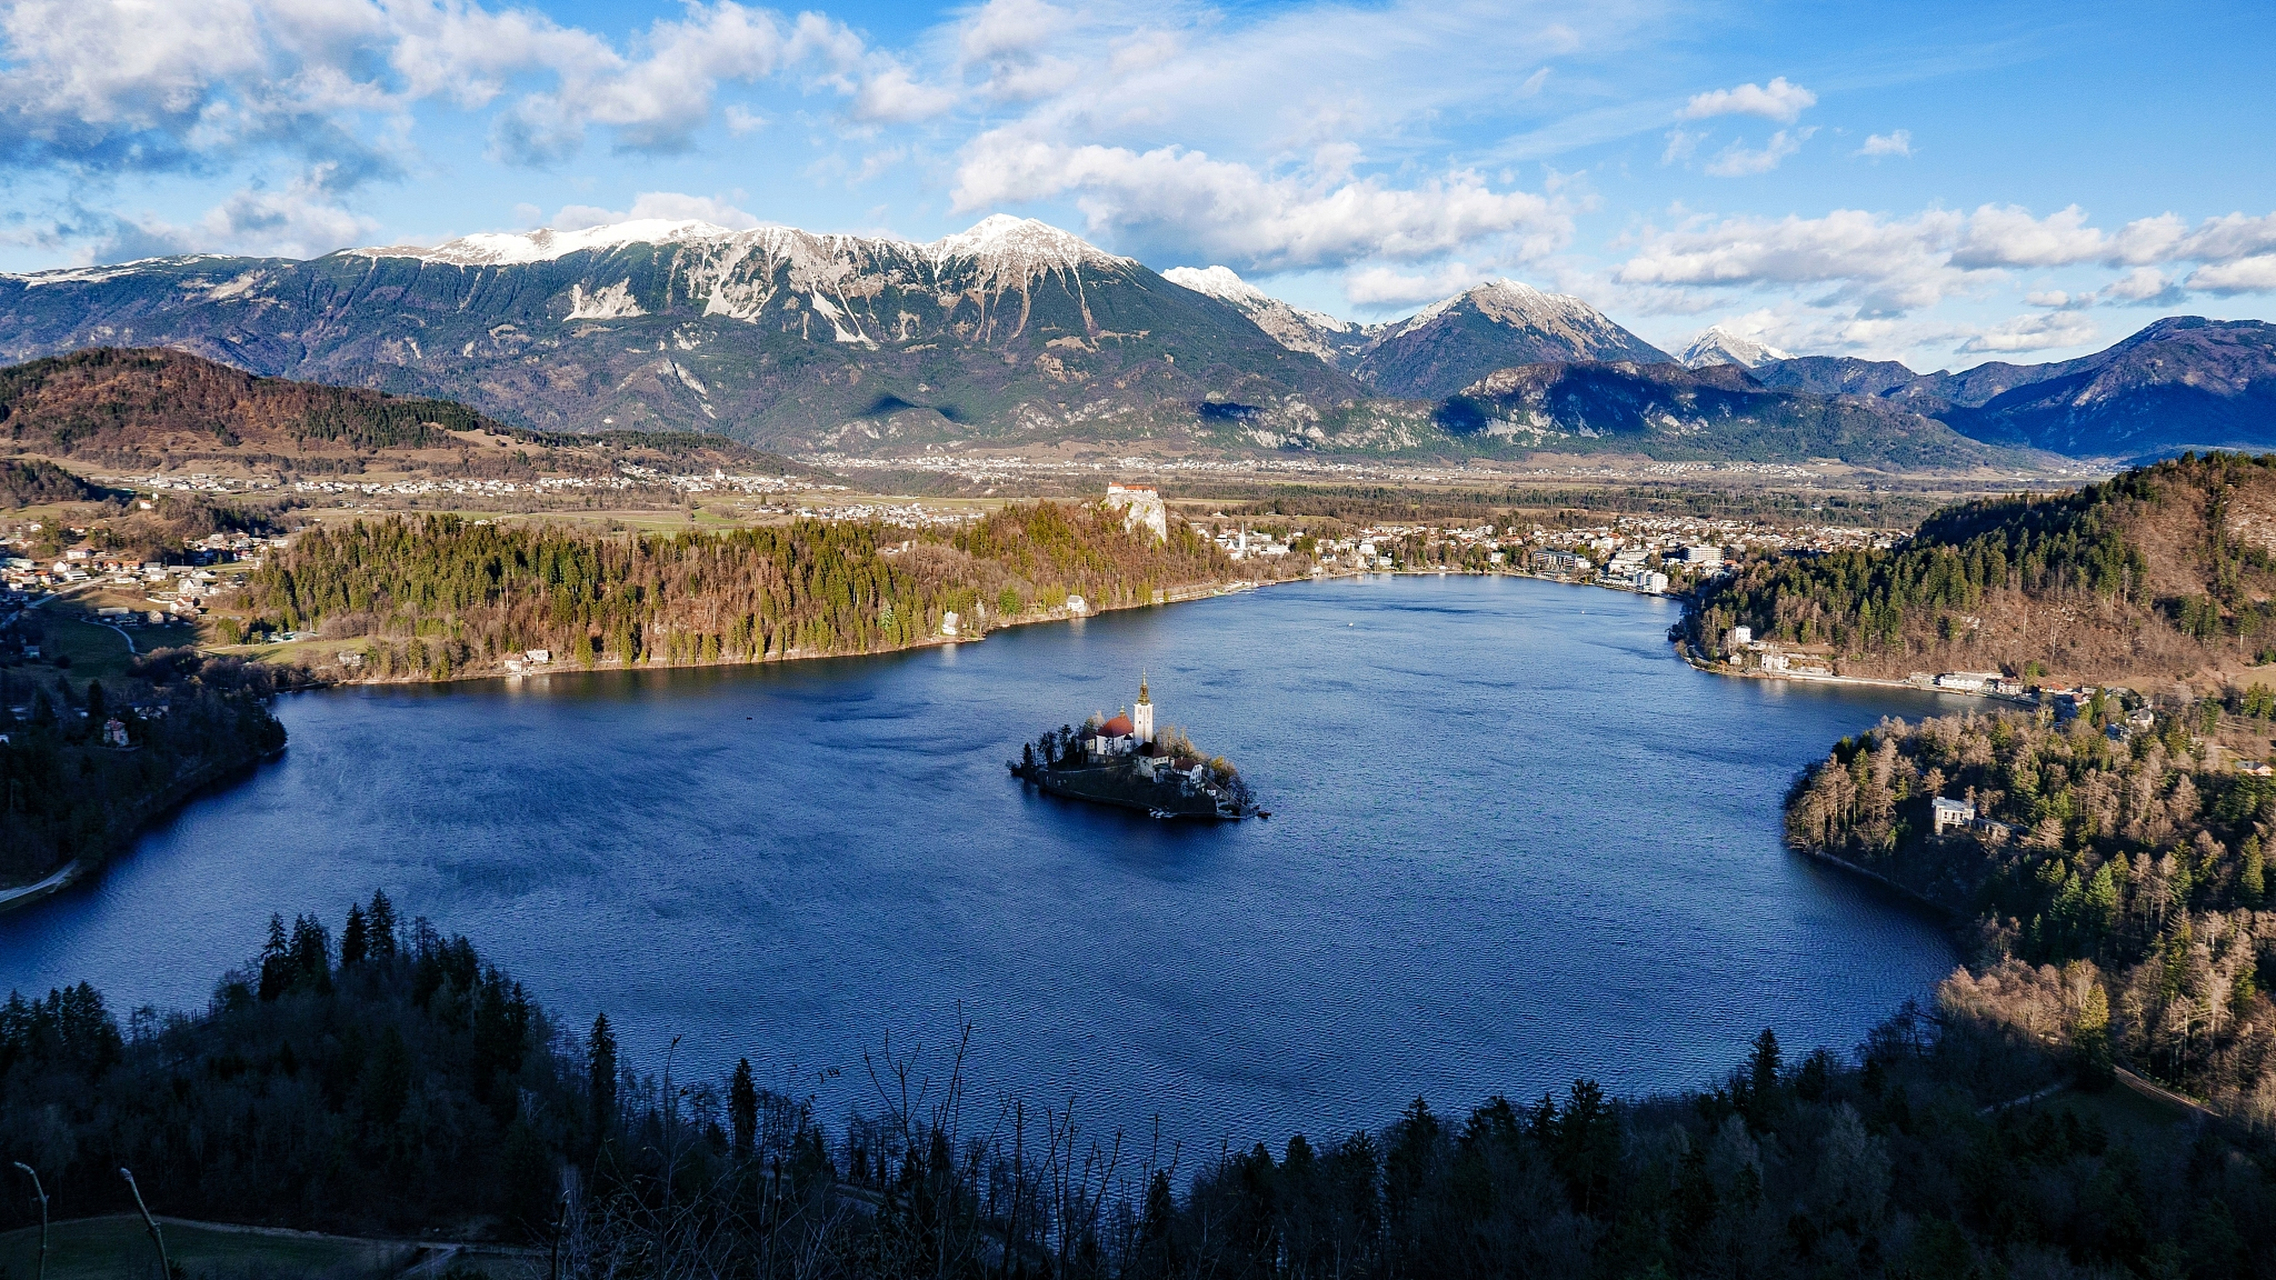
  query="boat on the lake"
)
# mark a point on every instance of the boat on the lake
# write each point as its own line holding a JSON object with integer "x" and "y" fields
{"x": 1122, "y": 760}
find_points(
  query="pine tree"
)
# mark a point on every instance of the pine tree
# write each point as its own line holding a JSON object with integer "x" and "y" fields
{"x": 353, "y": 937}
{"x": 743, "y": 1109}
{"x": 276, "y": 960}
{"x": 382, "y": 944}
{"x": 2251, "y": 882}
{"x": 600, "y": 1074}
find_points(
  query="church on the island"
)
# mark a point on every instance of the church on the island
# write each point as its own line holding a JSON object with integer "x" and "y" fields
{"x": 1129, "y": 732}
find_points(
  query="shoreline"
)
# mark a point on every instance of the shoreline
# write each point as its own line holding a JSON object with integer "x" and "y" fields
{"x": 181, "y": 791}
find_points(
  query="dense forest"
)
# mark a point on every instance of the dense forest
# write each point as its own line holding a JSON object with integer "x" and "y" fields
{"x": 68, "y": 793}
{"x": 27, "y": 484}
{"x": 2122, "y": 907}
{"x": 441, "y": 596}
{"x": 389, "y": 1080}
{"x": 2165, "y": 568}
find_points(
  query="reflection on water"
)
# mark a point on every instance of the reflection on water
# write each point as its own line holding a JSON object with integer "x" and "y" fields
{"x": 1514, "y": 841}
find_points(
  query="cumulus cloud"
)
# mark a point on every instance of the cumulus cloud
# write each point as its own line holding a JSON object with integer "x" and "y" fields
{"x": 1374, "y": 288}
{"x": 1233, "y": 212}
{"x": 1778, "y": 101}
{"x": 1737, "y": 161}
{"x": 129, "y": 85}
{"x": 1876, "y": 263}
{"x": 2042, "y": 332}
{"x": 2244, "y": 275}
{"x": 303, "y": 219}
{"x": 1896, "y": 142}
{"x": 2008, "y": 236}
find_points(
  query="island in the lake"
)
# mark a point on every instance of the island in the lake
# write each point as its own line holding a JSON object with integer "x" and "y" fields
{"x": 1122, "y": 760}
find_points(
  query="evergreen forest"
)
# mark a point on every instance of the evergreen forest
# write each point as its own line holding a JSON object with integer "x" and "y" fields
{"x": 437, "y": 596}
{"x": 2166, "y": 567}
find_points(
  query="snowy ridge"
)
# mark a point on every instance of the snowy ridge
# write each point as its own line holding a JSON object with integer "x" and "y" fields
{"x": 1293, "y": 327}
{"x": 1718, "y": 345}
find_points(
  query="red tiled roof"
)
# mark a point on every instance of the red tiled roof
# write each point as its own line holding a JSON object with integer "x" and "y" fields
{"x": 1118, "y": 727}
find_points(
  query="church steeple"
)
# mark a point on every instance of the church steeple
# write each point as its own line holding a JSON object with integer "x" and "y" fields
{"x": 1142, "y": 715}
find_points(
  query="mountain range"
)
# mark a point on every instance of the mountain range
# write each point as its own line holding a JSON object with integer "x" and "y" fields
{"x": 1018, "y": 334}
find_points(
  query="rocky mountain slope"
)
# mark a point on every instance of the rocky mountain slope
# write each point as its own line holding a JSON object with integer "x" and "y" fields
{"x": 1445, "y": 346}
{"x": 154, "y": 408}
{"x": 1666, "y": 411}
{"x": 1012, "y": 331}
{"x": 1500, "y": 324}
{"x": 1338, "y": 342}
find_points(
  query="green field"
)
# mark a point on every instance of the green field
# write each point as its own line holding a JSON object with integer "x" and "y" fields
{"x": 114, "y": 1248}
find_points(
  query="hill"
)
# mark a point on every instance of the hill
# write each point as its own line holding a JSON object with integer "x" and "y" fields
{"x": 2165, "y": 572}
{"x": 155, "y": 407}
{"x": 1670, "y": 412}
{"x": 1012, "y": 331}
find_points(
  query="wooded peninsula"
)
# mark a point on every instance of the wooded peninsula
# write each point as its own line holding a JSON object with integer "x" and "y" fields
{"x": 441, "y": 596}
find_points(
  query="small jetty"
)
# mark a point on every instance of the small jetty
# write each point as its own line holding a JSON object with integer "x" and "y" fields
{"x": 1122, "y": 760}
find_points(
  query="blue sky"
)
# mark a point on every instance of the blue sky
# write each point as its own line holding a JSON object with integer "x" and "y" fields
{"x": 1942, "y": 183}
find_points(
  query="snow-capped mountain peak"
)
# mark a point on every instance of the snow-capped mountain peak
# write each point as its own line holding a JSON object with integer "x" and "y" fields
{"x": 1719, "y": 345}
{"x": 1025, "y": 244}
{"x": 1221, "y": 283}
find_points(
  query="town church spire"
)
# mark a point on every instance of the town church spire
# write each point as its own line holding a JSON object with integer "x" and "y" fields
{"x": 1142, "y": 715}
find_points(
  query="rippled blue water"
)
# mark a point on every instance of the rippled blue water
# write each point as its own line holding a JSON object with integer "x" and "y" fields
{"x": 1514, "y": 840}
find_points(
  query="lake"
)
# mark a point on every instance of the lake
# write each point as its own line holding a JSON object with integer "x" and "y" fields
{"x": 1514, "y": 840}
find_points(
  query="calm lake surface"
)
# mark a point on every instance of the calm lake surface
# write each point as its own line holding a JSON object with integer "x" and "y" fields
{"x": 1514, "y": 840}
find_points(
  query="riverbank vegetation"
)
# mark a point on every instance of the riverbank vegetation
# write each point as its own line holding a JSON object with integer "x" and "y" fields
{"x": 2115, "y": 880}
{"x": 2166, "y": 568}
{"x": 83, "y": 766}
{"x": 441, "y": 596}
{"x": 387, "y": 1079}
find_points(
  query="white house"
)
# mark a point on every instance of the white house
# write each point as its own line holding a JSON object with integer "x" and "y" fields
{"x": 1950, "y": 815}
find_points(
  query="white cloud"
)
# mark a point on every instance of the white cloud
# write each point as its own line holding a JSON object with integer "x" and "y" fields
{"x": 2142, "y": 284}
{"x": 1381, "y": 287}
{"x": 2008, "y": 236}
{"x": 1231, "y": 212}
{"x": 741, "y": 120}
{"x": 2043, "y": 332}
{"x": 1736, "y": 161}
{"x": 892, "y": 96}
{"x": 301, "y": 220}
{"x": 1778, "y": 101}
{"x": 2243, "y": 275}
{"x": 1896, "y": 142}
{"x": 670, "y": 206}
{"x": 1877, "y": 263}
{"x": 1682, "y": 144}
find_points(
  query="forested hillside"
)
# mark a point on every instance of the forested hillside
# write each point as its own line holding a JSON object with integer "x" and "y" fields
{"x": 2126, "y": 909}
{"x": 440, "y": 596}
{"x": 159, "y": 407}
{"x": 67, "y": 793}
{"x": 2160, "y": 572}
{"x": 387, "y": 1080}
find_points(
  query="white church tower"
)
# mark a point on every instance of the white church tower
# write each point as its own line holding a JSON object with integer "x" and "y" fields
{"x": 1142, "y": 715}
